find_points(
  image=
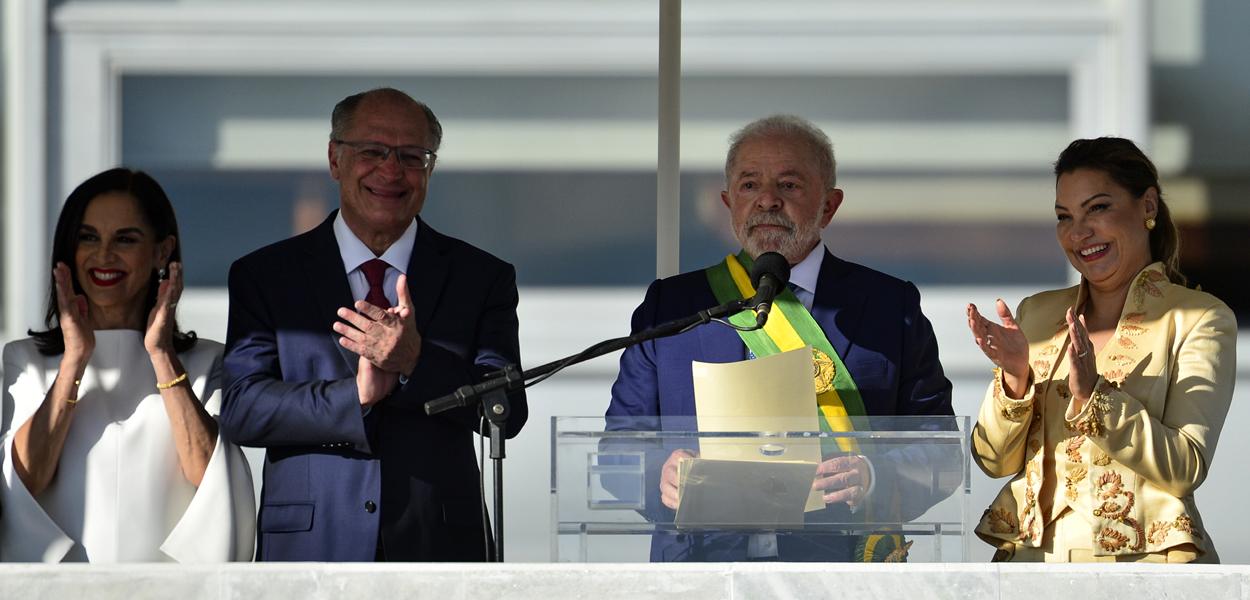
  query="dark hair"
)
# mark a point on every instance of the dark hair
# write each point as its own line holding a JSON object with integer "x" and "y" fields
{"x": 341, "y": 117}
{"x": 157, "y": 212}
{"x": 1129, "y": 167}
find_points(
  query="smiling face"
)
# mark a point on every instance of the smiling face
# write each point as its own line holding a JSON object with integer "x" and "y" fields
{"x": 380, "y": 200}
{"x": 1102, "y": 227}
{"x": 115, "y": 257}
{"x": 777, "y": 199}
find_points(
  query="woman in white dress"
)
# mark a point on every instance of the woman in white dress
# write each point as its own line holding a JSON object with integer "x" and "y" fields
{"x": 111, "y": 450}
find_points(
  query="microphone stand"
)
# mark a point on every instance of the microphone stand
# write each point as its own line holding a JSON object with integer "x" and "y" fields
{"x": 491, "y": 395}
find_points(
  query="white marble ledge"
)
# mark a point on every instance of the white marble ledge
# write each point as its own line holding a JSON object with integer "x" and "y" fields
{"x": 316, "y": 581}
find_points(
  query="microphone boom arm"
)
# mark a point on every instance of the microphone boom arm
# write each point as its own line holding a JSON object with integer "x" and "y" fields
{"x": 508, "y": 379}
{"x": 491, "y": 395}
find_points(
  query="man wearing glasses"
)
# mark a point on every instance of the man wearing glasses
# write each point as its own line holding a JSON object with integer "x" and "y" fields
{"x": 338, "y": 336}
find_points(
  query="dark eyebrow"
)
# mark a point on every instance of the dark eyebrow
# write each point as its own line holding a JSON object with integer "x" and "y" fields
{"x": 1085, "y": 201}
{"x": 1091, "y": 198}
{"x": 123, "y": 231}
{"x": 748, "y": 173}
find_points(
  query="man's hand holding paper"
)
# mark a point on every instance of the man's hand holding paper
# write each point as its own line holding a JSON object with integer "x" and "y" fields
{"x": 670, "y": 482}
{"x": 844, "y": 479}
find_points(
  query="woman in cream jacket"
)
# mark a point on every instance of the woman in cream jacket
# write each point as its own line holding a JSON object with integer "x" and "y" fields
{"x": 1109, "y": 396}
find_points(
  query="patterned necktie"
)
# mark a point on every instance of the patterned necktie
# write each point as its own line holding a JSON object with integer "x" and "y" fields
{"x": 375, "y": 274}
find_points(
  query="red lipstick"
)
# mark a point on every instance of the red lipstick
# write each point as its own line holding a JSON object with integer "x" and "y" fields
{"x": 106, "y": 277}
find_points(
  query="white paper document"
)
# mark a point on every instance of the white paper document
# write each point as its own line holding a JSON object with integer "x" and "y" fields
{"x": 771, "y": 394}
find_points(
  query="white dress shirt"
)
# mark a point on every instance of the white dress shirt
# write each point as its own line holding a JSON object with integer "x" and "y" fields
{"x": 803, "y": 276}
{"x": 356, "y": 253}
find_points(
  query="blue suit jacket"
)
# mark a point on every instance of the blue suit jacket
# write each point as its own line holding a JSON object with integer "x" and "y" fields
{"x": 872, "y": 320}
{"x": 337, "y": 482}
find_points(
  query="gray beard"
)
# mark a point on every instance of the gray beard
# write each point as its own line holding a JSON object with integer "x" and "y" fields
{"x": 794, "y": 244}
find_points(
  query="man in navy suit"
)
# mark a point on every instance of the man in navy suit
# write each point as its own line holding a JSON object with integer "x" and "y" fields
{"x": 338, "y": 336}
{"x": 780, "y": 192}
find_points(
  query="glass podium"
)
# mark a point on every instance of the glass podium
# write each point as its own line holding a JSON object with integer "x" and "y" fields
{"x": 744, "y": 490}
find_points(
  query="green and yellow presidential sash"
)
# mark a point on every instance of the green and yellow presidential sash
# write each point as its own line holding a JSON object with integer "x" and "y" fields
{"x": 791, "y": 326}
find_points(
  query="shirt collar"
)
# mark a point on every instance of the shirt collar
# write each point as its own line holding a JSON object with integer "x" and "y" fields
{"x": 805, "y": 274}
{"x": 356, "y": 253}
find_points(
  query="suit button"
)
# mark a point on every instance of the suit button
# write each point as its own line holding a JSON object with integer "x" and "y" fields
{"x": 370, "y": 507}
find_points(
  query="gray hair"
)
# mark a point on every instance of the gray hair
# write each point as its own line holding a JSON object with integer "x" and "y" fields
{"x": 341, "y": 117}
{"x": 792, "y": 127}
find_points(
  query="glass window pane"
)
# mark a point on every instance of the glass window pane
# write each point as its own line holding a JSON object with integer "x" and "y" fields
{"x": 931, "y": 194}
{"x": 554, "y": 174}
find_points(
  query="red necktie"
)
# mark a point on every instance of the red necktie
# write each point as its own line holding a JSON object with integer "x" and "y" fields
{"x": 375, "y": 274}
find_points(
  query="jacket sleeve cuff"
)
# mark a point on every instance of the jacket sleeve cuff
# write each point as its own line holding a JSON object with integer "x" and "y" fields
{"x": 872, "y": 485}
{"x": 1092, "y": 418}
{"x": 1012, "y": 409}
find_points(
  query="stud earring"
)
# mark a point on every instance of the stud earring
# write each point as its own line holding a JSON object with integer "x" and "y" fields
{"x": 161, "y": 274}
{"x": 1150, "y": 224}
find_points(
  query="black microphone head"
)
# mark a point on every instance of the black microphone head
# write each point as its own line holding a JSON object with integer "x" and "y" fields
{"x": 770, "y": 263}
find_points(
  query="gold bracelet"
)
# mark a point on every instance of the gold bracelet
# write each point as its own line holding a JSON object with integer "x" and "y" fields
{"x": 177, "y": 380}
{"x": 73, "y": 401}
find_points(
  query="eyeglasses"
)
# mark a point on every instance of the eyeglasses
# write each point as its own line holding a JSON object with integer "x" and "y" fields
{"x": 373, "y": 153}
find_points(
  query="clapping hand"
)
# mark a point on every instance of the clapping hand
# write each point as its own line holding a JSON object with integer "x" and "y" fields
{"x": 73, "y": 317}
{"x": 1005, "y": 346}
{"x": 386, "y": 340}
{"x": 372, "y": 383}
{"x": 159, "y": 335}
{"x": 1082, "y": 366}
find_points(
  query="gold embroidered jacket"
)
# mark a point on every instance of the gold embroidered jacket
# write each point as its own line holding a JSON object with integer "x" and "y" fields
{"x": 1134, "y": 456}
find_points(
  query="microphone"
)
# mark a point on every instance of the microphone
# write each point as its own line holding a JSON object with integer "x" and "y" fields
{"x": 769, "y": 276}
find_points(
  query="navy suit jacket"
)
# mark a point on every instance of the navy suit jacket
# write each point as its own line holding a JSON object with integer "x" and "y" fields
{"x": 336, "y": 483}
{"x": 871, "y": 319}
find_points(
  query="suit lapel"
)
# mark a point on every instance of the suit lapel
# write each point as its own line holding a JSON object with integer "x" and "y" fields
{"x": 325, "y": 271}
{"x": 837, "y": 305}
{"x": 720, "y": 344}
{"x": 427, "y": 272}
